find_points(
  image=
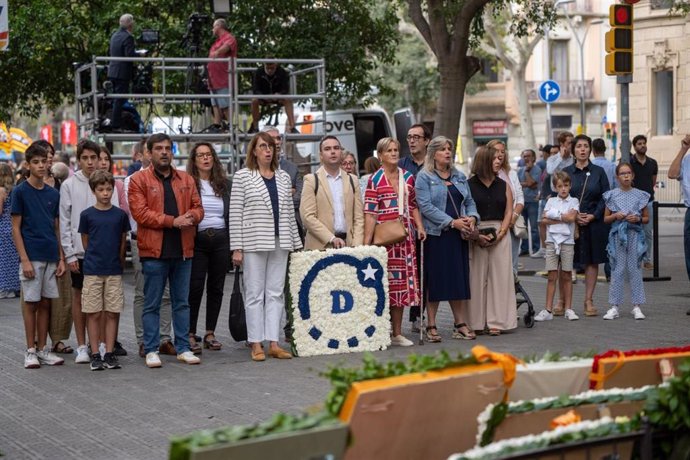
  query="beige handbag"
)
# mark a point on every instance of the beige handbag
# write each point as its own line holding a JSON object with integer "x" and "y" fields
{"x": 520, "y": 228}
{"x": 394, "y": 231}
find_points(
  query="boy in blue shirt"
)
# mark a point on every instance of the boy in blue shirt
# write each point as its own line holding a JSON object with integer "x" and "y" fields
{"x": 103, "y": 228}
{"x": 36, "y": 230}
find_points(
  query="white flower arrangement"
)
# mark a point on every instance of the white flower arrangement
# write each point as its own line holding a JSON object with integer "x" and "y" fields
{"x": 340, "y": 300}
{"x": 586, "y": 429}
{"x": 487, "y": 416}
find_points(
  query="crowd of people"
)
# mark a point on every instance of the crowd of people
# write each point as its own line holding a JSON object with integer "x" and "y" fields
{"x": 448, "y": 238}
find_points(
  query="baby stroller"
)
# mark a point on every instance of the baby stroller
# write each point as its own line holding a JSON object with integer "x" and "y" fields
{"x": 521, "y": 297}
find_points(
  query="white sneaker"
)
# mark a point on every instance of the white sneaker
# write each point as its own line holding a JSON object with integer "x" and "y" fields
{"x": 188, "y": 358}
{"x": 539, "y": 254}
{"x": 574, "y": 275}
{"x": 416, "y": 325}
{"x": 544, "y": 315}
{"x": 612, "y": 313}
{"x": 637, "y": 312}
{"x": 4, "y": 294}
{"x": 49, "y": 358}
{"x": 401, "y": 341}
{"x": 31, "y": 360}
{"x": 152, "y": 360}
{"x": 101, "y": 349}
{"x": 570, "y": 315}
{"x": 82, "y": 355}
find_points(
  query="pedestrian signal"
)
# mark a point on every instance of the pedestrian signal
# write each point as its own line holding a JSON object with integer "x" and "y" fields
{"x": 619, "y": 40}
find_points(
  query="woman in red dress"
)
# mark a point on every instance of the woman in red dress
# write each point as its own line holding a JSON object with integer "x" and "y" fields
{"x": 381, "y": 201}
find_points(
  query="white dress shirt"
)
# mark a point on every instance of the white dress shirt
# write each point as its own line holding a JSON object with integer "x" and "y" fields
{"x": 336, "y": 185}
{"x": 564, "y": 232}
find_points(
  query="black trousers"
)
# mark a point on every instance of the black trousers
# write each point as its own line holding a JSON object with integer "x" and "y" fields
{"x": 120, "y": 86}
{"x": 209, "y": 266}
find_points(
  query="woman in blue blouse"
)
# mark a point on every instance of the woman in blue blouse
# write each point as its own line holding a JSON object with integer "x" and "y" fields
{"x": 589, "y": 182}
{"x": 448, "y": 209}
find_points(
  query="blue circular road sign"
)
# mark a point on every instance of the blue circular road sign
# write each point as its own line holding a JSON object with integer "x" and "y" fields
{"x": 549, "y": 91}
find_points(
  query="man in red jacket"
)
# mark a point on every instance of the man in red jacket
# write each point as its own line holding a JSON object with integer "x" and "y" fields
{"x": 166, "y": 206}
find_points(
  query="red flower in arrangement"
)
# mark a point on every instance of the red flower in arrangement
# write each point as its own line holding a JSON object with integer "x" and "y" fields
{"x": 648, "y": 352}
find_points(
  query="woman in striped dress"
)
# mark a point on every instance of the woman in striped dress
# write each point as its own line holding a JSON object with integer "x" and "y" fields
{"x": 263, "y": 232}
{"x": 381, "y": 201}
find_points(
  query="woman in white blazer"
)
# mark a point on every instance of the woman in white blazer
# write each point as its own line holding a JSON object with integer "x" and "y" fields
{"x": 263, "y": 232}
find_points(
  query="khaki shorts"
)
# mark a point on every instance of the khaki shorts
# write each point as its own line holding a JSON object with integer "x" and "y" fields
{"x": 42, "y": 285}
{"x": 102, "y": 293}
{"x": 565, "y": 257}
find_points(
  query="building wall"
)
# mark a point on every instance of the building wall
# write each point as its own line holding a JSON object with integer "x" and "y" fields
{"x": 661, "y": 44}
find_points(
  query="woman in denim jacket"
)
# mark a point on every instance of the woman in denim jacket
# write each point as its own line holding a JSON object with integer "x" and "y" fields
{"x": 448, "y": 211}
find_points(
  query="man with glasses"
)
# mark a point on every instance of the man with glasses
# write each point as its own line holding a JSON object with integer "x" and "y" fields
{"x": 418, "y": 137}
{"x": 331, "y": 207}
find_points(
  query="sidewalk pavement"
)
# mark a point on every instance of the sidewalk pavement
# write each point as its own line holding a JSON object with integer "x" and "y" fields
{"x": 70, "y": 412}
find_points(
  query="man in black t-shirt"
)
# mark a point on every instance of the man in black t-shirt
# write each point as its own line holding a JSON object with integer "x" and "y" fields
{"x": 274, "y": 80}
{"x": 645, "y": 170}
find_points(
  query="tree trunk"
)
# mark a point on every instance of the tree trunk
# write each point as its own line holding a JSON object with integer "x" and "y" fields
{"x": 454, "y": 78}
{"x": 526, "y": 119}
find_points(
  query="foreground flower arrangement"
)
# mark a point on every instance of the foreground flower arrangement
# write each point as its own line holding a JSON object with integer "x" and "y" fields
{"x": 588, "y": 429}
{"x": 340, "y": 300}
{"x": 494, "y": 414}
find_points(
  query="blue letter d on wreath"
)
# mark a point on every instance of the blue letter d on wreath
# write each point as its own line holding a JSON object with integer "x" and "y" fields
{"x": 337, "y": 306}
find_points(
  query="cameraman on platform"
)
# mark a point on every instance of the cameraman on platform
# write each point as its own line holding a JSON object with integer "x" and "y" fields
{"x": 225, "y": 46}
{"x": 121, "y": 73}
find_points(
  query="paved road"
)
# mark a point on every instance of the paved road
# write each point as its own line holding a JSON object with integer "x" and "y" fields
{"x": 69, "y": 412}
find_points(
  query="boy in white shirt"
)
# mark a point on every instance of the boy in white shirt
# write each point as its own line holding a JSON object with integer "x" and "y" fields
{"x": 559, "y": 216}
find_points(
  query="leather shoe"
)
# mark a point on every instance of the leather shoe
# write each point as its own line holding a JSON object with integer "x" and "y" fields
{"x": 142, "y": 354}
{"x": 167, "y": 348}
{"x": 279, "y": 353}
{"x": 258, "y": 355}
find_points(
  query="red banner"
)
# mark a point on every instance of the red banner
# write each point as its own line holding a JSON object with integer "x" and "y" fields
{"x": 69, "y": 132}
{"x": 47, "y": 133}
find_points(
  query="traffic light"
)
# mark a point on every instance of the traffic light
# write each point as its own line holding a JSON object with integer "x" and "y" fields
{"x": 619, "y": 40}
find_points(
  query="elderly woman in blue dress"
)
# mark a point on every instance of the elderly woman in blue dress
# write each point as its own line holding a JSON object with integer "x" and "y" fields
{"x": 448, "y": 211}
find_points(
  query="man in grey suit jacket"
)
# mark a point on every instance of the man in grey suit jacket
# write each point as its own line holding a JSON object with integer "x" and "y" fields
{"x": 121, "y": 73}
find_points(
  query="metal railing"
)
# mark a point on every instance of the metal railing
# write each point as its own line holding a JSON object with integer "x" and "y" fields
{"x": 569, "y": 89}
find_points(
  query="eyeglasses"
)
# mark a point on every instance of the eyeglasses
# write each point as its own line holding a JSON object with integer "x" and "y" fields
{"x": 204, "y": 154}
{"x": 414, "y": 137}
{"x": 348, "y": 163}
{"x": 263, "y": 146}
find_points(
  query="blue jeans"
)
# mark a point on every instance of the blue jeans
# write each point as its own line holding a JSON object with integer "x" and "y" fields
{"x": 156, "y": 272}
{"x": 686, "y": 239}
{"x": 649, "y": 234}
{"x": 530, "y": 213}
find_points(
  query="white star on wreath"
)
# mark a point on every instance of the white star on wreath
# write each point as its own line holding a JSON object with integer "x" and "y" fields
{"x": 369, "y": 272}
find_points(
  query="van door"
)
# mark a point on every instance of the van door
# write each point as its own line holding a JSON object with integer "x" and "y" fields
{"x": 369, "y": 128}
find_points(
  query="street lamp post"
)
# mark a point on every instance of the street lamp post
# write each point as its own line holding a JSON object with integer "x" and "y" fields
{"x": 581, "y": 46}
{"x": 547, "y": 44}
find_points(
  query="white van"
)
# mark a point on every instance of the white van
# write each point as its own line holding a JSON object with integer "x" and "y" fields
{"x": 357, "y": 129}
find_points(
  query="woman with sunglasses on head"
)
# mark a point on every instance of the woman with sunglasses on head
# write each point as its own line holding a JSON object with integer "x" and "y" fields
{"x": 211, "y": 244}
{"x": 263, "y": 232}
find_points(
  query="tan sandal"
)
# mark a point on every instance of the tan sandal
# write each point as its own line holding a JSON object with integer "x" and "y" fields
{"x": 432, "y": 335}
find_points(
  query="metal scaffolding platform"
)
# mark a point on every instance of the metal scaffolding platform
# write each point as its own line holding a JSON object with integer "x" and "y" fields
{"x": 92, "y": 99}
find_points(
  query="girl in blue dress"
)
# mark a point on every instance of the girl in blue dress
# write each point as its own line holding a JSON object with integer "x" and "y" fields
{"x": 9, "y": 261}
{"x": 626, "y": 210}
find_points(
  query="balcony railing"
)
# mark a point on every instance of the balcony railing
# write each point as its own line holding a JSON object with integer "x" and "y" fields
{"x": 569, "y": 90}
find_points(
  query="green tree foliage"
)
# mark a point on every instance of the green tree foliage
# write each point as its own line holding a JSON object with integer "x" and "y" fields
{"x": 47, "y": 36}
{"x": 413, "y": 80}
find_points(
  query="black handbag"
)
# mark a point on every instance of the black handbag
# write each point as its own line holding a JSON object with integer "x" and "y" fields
{"x": 237, "y": 322}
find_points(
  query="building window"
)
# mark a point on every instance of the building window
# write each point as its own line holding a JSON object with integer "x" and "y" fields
{"x": 661, "y": 4}
{"x": 559, "y": 61}
{"x": 663, "y": 105}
